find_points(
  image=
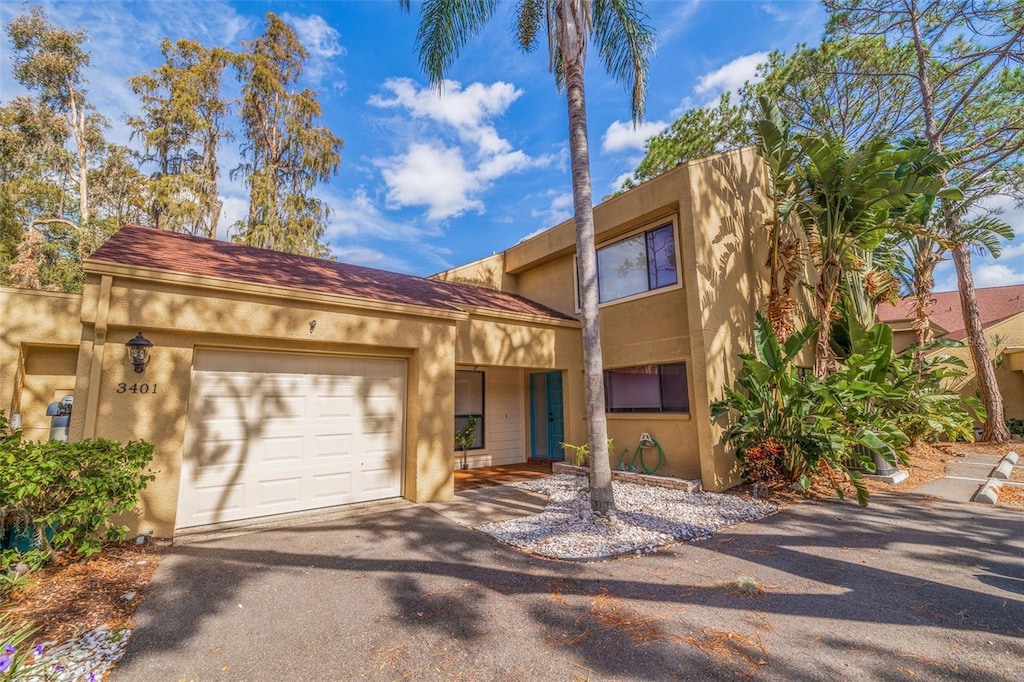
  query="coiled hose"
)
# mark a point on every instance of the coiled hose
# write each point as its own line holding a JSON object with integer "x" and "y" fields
{"x": 638, "y": 456}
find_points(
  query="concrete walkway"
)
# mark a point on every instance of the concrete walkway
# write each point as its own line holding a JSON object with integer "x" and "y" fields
{"x": 821, "y": 591}
{"x": 964, "y": 476}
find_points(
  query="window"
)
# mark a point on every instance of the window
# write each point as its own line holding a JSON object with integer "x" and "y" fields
{"x": 469, "y": 402}
{"x": 650, "y": 388}
{"x": 636, "y": 264}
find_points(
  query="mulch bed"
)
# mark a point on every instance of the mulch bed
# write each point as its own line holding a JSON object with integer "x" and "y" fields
{"x": 70, "y": 596}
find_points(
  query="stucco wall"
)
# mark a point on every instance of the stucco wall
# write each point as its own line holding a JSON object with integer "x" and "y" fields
{"x": 179, "y": 318}
{"x": 719, "y": 206}
{"x": 551, "y": 283}
{"x": 39, "y": 329}
{"x": 1008, "y": 333}
{"x": 49, "y": 376}
{"x": 487, "y": 272}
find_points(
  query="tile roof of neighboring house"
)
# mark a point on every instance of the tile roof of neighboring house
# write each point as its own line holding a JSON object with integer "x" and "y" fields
{"x": 994, "y": 305}
{"x": 134, "y": 245}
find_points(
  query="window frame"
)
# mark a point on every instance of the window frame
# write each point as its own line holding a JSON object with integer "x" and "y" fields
{"x": 661, "y": 409}
{"x": 649, "y": 227}
{"x": 481, "y": 416}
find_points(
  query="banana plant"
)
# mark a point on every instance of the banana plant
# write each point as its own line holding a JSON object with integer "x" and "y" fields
{"x": 843, "y": 201}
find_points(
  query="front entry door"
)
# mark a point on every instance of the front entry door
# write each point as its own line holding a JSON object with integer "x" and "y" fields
{"x": 547, "y": 422}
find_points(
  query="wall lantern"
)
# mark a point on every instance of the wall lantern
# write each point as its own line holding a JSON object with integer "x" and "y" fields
{"x": 138, "y": 351}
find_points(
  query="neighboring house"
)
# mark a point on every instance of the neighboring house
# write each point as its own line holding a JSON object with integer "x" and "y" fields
{"x": 278, "y": 383}
{"x": 1001, "y": 311}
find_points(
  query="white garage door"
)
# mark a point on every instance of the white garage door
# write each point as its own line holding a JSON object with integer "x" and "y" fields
{"x": 270, "y": 433}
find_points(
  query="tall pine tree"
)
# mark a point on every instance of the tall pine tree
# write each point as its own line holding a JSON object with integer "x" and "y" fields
{"x": 181, "y": 128}
{"x": 286, "y": 152}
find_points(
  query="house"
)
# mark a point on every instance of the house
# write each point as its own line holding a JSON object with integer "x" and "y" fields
{"x": 1001, "y": 311}
{"x": 278, "y": 383}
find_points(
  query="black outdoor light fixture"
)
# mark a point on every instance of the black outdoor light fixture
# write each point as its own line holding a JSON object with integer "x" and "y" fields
{"x": 138, "y": 351}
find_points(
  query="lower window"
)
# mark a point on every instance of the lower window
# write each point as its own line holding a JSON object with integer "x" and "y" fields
{"x": 648, "y": 388}
{"x": 469, "y": 402}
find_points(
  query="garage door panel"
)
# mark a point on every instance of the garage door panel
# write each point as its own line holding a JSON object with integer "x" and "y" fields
{"x": 275, "y": 492}
{"x": 333, "y": 446}
{"x": 336, "y": 487}
{"x": 211, "y": 501}
{"x": 270, "y": 433}
{"x": 334, "y": 406}
{"x": 283, "y": 449}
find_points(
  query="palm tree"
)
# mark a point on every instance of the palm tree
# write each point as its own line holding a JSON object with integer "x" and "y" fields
{"x": 624, "y": 43}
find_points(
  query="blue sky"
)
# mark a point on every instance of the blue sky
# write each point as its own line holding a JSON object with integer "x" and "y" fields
{"x": 428, "y": 182}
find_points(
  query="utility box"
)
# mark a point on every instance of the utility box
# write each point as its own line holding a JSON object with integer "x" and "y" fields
{"x": 60, "y": 418}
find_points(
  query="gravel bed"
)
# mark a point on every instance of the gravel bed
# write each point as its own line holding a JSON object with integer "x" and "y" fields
{"x": 647, "y": 518}
{"x": 85, "y": 657}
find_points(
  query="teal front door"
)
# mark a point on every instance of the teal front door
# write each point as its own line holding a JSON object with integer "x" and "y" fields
{"x": 547, "y": 422}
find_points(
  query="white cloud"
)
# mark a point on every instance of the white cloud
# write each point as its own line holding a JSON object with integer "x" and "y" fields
{"x": 558, "y": 210}
{"x": 434, "y": 176}
{"x": 465, "y": 110}
{"x": 318, "y": 37}
{"x": 623, "y": 135}
{"x": 357, "y": 224}
{"x": 617, "y": 182}
{"x": 677, "y": 21}
{"x": 443, "y": 174}
{"x": 233, "y": 209}
{"x": 996, "y": 275}
{"x": 357, "y": 216}
{"x": 371, "y": 258}
{"x": 731, "y": 76}
{"x": 323, "y": 43}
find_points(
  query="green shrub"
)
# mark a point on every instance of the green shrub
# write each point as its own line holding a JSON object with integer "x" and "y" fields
{"x": 70, "y": 490}
{"x": 1016, "y": 427}
{"x": 785, "y": 423}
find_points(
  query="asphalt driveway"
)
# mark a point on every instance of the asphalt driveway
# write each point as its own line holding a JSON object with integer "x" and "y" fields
{"x": 903, "y": 589}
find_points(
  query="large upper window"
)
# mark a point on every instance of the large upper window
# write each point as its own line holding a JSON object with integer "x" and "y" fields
{"x": 640, "y": 263}
{"x": 469, "y": 402}
{"x": 650, "y": 388}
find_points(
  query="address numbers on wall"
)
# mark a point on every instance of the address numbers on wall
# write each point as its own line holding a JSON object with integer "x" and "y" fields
{"x": 136, "y": 388}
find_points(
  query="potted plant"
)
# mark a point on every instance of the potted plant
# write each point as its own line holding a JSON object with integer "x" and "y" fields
{"x": 465, "y": 438}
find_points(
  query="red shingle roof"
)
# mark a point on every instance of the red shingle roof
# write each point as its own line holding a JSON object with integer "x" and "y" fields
{"x": 995, "y": 304}
{"x": 134, "y": 245}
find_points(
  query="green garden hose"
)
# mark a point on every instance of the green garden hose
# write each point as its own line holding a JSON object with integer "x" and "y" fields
{"x": 638, "y": 455}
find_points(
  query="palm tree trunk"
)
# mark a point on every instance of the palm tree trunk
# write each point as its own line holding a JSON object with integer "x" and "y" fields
{"x": 602, "y": 500}
{"x": 995, "y": 424}
{"x": 825, "y": 296}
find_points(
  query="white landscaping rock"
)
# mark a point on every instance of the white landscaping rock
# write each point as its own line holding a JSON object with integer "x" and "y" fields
{"x": 85, "y": 657}
{"x": 647, "y": 518}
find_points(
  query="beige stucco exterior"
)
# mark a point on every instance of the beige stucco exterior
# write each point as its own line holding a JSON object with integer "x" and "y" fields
{"x": 39, "y": 337}
{"x": 179, "y": 314}
{"x": 718, "y": 207}
{"x": 1005, "y": 338}
{"x": 1006, "y": 346}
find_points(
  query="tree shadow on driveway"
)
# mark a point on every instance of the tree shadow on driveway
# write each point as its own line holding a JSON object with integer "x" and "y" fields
{"x": 844, "y": 593}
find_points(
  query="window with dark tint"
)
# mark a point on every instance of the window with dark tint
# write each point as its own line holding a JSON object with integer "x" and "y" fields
{"x": 649, "y": 388}
{"x": 469, "y": 402}
{"x": 640, "y": 263}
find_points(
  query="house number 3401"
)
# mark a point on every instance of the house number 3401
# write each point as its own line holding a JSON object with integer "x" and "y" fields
{"x": 136, "y": 388}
